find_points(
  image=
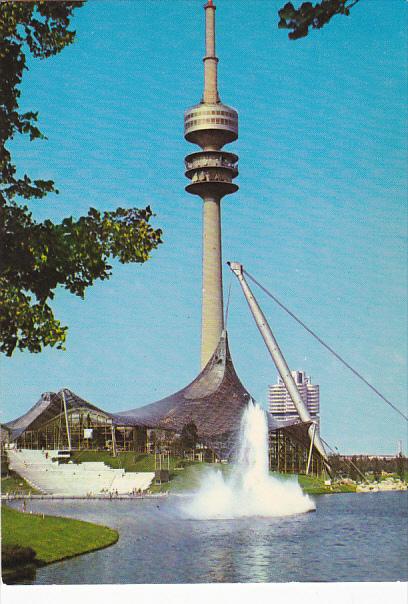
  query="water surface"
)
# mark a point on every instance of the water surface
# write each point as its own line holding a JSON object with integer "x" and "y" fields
{"x": 350, "y": 537}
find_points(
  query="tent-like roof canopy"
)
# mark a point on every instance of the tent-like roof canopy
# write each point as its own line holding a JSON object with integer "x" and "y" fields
{"x": 214, "y": 401}
{"x": 49, "y": 406}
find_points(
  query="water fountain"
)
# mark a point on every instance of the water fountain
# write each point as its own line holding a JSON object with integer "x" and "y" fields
{"x": 249, "y": 489}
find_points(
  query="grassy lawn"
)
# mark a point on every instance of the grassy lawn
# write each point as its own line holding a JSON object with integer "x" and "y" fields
{"x": 16, "y": 485}
{"x": 189, "y": 478}
{"x": 312, "y": 485}
{"x": 129, "y": 461}
{"x": 143, "y": 462}
{"x": 316, "y": 486}
{"x": 51, "y": 537}
{"x": 185, "y": 479}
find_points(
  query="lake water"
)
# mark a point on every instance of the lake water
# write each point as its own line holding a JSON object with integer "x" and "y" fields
{"x": 350, "y": 537}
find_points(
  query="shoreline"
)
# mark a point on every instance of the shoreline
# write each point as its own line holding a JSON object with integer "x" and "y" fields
{"x": 101, "y": 496}
{"x": 71, "y": 538}
{"x": 165, "y": 494}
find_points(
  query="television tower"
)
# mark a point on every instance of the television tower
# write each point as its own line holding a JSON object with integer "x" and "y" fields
{"x": 211, "y": 125}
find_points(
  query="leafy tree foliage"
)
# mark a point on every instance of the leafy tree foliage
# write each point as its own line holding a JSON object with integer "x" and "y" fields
{"x": 401, "y": 466}
{"x": 369, "y": 465}
{"x": 299, "y": 20}
{"x": 377, "y": 469}
{"x": 37, "y": 257}
{"x": 354, "y": 475}
{"x": 189, "y": 436}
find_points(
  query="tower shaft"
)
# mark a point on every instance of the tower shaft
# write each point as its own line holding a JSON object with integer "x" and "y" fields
{"x": 212, "y": 322}
{"x": 211, "y": 125}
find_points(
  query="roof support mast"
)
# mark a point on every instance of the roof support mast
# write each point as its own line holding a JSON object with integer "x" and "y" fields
{"x": 66, "y": 419}
{"x": 278, "y": 359}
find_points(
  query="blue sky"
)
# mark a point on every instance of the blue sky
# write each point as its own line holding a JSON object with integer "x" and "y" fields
{"x": 320, "y": 217}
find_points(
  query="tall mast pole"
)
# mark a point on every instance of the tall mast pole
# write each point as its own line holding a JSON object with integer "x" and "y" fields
{"x": 279, "y": 360}
{"x": 66, "y": 420}
{"x": 210, "y": 60}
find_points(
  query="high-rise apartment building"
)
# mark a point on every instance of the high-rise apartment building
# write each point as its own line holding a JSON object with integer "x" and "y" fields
{"x": 280, "y": 404}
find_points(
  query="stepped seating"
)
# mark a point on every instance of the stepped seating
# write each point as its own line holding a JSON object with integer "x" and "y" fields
{"x": 132, "y": 480}
{"x": 92, "y": 465}
{"x": 71, "y": 479}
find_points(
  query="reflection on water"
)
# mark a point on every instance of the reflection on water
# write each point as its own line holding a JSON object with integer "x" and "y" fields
{"x": 351, "y": 537}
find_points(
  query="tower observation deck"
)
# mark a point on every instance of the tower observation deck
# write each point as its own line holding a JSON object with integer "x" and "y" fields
{"x": 211, "y": 125}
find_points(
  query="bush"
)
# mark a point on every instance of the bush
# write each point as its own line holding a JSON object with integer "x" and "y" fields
{"x": 15, "y": 555}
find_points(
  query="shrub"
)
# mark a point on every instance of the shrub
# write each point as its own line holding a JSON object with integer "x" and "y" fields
{"x": 15, "y": 555}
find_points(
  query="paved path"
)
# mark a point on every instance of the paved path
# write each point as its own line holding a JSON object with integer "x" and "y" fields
{"x": 98, "y": 496}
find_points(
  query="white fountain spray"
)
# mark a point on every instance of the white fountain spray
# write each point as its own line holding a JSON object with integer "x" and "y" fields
{"x": 249, "y": 490}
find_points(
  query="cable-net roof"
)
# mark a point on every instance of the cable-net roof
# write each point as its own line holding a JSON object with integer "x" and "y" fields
{"x": 214, "y": 401}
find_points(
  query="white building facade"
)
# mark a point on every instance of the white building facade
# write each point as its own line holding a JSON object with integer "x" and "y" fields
{"x": 280, "y": 404}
